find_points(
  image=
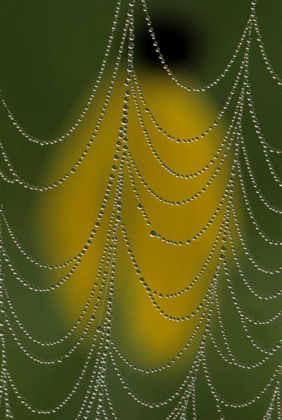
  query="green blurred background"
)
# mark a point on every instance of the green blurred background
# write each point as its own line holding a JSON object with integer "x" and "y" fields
{"x": 50, "y": 57}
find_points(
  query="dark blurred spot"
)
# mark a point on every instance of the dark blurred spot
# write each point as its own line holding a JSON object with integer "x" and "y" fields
{"x": 180, "y": 42}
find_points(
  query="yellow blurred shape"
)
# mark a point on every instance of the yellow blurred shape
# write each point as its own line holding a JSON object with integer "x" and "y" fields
{"x": 70, "y": 212}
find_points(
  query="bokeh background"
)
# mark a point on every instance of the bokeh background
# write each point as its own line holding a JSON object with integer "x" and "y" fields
{"x": 51, "y": 53}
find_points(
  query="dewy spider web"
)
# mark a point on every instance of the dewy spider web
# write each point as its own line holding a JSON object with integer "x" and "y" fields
{"x": 97, "y": 402}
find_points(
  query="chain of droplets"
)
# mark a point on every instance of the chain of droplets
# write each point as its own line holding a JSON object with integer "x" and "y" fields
{"x": 73, "y": 269}
{"x": 265, "y": 145}
{"x": 38, "y": 288}
{"x": 241, "y": 311}
{"x": 260, "y": 231}
{"x": 255, "y": 344}
{"x": 246, "y": 282}
{"x": 110, "y": 404}
{"x": 140, "y": 206}
{"x": 231, "y": 359}
{"x": 97, "y": 329}
{"x": 58, "y": 359}
{"x": 85, "y": 309}
{"x": 207, "y": 131}
{"x": 174, "y": 395}
{"x": 89, "y": 144}
{"x": 94, "y": 385}
{"x": 244, "y": 191}
{"x": 4, "y": 382}
{"x": 247, "y": 202}
{"x": 70, "y": 332}
{"x": 160, "y": 161}
{"x": 69, "y": 396}
{"x": 182, "y": 386}
{"x": 4, "y": 391}
{"x": 212, "y": 388}
{"x": 106, "y": 331}
{"x": 106, "y": 338}
{"x": 174, "y": 359}
{"x": 35, "y": 410}
{"x": 78, "y": 257}
{"x": 105, "y": 414}
{"x": 155, "y": 234}
{"x": 258, "y": 396}
{"x": 108, "y": 319}
{"x": 223, "y": 74}
{"x": 188, "y": 392}
{"x": 247, "y": 252}
{"x": 278, "y": 402}
{"x": 100, "y": 380}
{"x": 247, "y": 403}
{"x": 190, "y": 284}
{"x": 264, "y": 55}
{"x": 243, "y": 188}
{"x": 26, "y": 185}
{"x": 145, "y": 403}
{"x": 260, "y": 135}
{"x": 78, "y": 382}
{"x": 92, "y": 96}
{"x": 91, "y": 384}
{"x": 262, "y": 349}
{"x": 180, "y": 410}
{"x": 148, "y": 289}
{"x": 194, "y": 407}
{"x": 84, "y": 333}
{"x": 96, "y": 380}
{"x": 2, "y": 307}
{"x": 191, "y": 374}
{"x": 253, "y": 179}
{"x": 248, "y": 334}
{"x": 139, "y": 400}
{"x": 238, "y": 306}
{"x": 271, "y": 407}
{"x": 67, "y": 399}
{"x": 232, "y": 126}
{"x": 131, "y": 161}
{"x": 258, "y": 130}
{"x": 118, "y": 209}
{"x": 202, "y": 304}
